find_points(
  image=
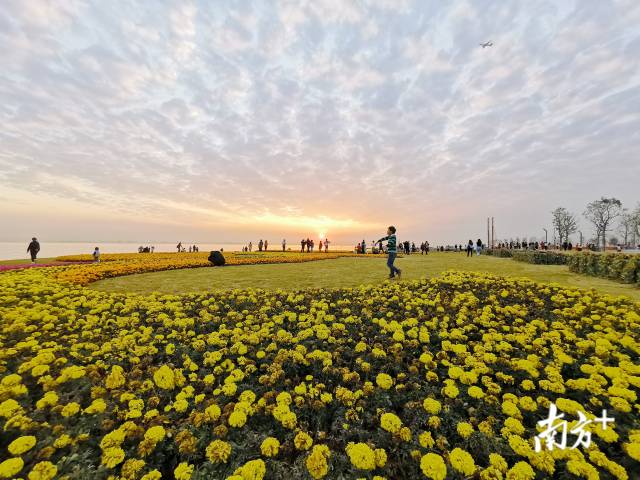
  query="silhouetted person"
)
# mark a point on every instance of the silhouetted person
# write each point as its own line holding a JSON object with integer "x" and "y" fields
{"x": 284, "y": 244}
{"x": 266, "y": 245}
{"x": 179, "y": 247}
{"x": 303, "y": 243}
{"x": 33, "y": 249}
{"x": 96, "y": 255}
{"x": 260, "y": 244}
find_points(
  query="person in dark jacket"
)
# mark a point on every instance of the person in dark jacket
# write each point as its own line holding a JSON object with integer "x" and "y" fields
{"x": 33, "y": 249}
{"x": 470, "y": 248}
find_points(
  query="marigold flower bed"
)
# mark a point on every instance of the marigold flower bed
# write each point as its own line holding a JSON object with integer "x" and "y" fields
{"x": 442, "y": 378}
{"x": 118, "y": 264}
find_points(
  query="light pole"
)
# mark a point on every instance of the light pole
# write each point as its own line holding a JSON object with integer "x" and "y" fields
{"x": 580, "y": 237}
{"x": 546, "y": 236}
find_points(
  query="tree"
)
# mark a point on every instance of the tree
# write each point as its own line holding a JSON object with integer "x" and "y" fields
{"x": 627, "y": 226}
{"x": 614, "y": 241}
{"x": 565, "y": 223}
{"x": 601, "y": 213}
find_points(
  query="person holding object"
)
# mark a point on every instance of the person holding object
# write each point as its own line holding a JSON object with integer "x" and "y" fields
{"x": 391, "y": 251}
{"x": 33, "y": 249}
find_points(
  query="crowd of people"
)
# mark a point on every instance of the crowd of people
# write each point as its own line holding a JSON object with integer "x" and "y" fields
{"x": 182, "y": 249}
{"x": 147, "y": 249}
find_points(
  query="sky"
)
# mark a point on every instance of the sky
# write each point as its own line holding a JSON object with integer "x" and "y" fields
{"x": 231, "y": 121}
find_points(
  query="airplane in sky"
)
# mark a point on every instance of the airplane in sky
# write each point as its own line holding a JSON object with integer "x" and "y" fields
{"x": 487, "y": 44}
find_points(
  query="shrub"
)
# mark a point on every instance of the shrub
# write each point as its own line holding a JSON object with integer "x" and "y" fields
{"x": 500, "y": 252}
{"x": 540, "y": 257}
{"x": 615, "y": 266}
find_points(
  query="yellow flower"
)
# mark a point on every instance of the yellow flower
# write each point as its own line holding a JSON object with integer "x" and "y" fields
{"x": 116, "y": 378}
{"x": 11, "y": 467}
{"x": 218, "y": 451}
{"x": 152, "y": 475}
{"x": 390, "y": 422}
{"x": 316, "y": 462}
{"x": 361, "y": 456}
{"x": 21, "y": 445}
{"x": 155, "y": 434}
{"x": 475, "y": 392}
{"x": 381, "y": 457}
{"x": 70, "y": 409}
{"x": 433, "y": 466}
{"x": 237, "y": 419}
{"x": 183, "y": 471}
{"x": 252, "y": 470}
{"x": 521, "y": 471}
{"x": 164, "y": 378}
{"x": 212, "y": 412}
{"x": 270, "y": 447}
{"x": 464, "y": 429}
{"x": 112, "y": 456}
{"x": 431, "y": 406}
{"x": 302, "y": 441}
{"x": 426, "y": 440}
{"x": 462, "y": 461}
{"x": 384, "y": 381}
{"x": 43, "y": 471}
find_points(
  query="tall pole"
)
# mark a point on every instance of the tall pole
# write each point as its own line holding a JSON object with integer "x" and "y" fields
{"x": 493, "y": 233}
{"x": 487, "y": 232}
{"x": 546, "y": 236}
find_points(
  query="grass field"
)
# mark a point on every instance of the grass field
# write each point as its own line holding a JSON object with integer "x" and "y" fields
{"x": 348, "y": 272}
{"x": 26, "y": 260}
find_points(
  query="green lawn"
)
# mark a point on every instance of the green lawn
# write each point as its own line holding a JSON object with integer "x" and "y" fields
{"x": 348, "y": 272}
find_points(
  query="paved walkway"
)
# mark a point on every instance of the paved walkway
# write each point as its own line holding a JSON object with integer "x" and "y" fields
{"x": 20, "y": 266}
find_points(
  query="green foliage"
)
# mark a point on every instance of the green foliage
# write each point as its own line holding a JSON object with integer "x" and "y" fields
{"x": 615, "y": 266}
{"x": 540, "y": 257}
{"x": 500, "y": 252}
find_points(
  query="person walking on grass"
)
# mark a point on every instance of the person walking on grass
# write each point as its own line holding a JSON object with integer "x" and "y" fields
{"x": 303, "y": 243}
{"x": 96, "y": 255}
{"x": 470, "y": 248}
{"x": 326, "y": 245}
{"x": 391, "y": 251}
{"x": 33, "y": 249}
{"x": 260, "y": 244}
{"x": 284, "y": 244}
{"x": 478, "y": 247}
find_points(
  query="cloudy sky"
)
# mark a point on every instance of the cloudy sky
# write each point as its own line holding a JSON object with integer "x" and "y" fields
{"x": 225, "y": 121}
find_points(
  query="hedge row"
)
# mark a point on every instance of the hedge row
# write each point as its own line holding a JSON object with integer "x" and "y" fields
{"x": 540, "y": 257}
{"x": 615, "y": 266}
{"x": 500, "y": 252}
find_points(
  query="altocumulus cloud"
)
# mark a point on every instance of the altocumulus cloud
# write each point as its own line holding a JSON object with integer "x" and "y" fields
{"x": 319, "y": 114}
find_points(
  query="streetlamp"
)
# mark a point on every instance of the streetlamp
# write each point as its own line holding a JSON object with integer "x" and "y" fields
{"x": 546, "y": 235}
{"x": 580, "y": 237}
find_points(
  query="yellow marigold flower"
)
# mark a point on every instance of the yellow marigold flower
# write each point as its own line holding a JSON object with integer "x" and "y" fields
{"x": 183, "y": 471}
{"x": 218, "y": 451}
{"x": 237, "y": 419}
{"x": 451, "y": 391}
{"x": 462, "y": 461}
{"x": 390, "y": 422}
{"x": 43, "y": 471}
{"x": 164, "y": 378}
{"x": 302, "y": 441}
{"x": 381, "y": 457}
{"x": 361, "y": 456}
{"x": 131, "y": 467}
{"x": 270, "y": 447}
{"x": 433, "y": 466}
{"x": 62, "y": 441}
{"x": 384, "y": 381}
{"x": 21, "y": 445}
{"x": 152, "y": 475}
{"x": 316, "y": 462}
{"x": 475, "y": 392}
{"x": 252, "y": 470}
{"x": 464, "y": 429}
{"x": 39, "y": 370}
{"x": 426, "y": 440}
{"x": 431, "y": 406}
{"x": 112, "y": 456}
{"x": 116, "y": 378}
{"x": 498, "y": 462}
{"x": 11, "y": 467}
{"x": 155, "y": 434}
{"x": 521, "y": 471}
{"x": 97, "y": 406}
{"x": 212, "y": 412}
{"x": 170, "y": 349}
{"x": 50, "y": 399}
{"x": 70, "y": 409}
